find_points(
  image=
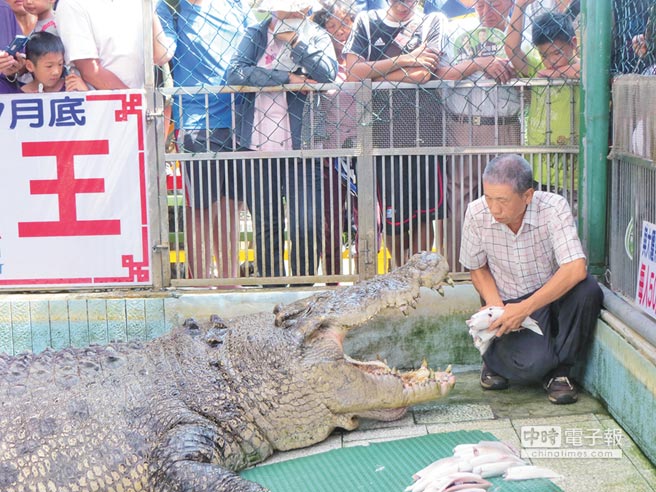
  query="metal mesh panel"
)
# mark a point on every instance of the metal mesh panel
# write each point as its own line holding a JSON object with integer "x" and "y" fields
{"x": 633, "y": 179}
{"x": 633, "y": 116}
{"x": 632, "y": 202}
{"x": 633, "y": 49}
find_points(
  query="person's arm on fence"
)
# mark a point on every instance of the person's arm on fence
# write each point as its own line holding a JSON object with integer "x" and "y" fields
{"x": 243, "y": 68}
{"x": 316, "y": 55}
{"x": 415, "y": 66}
{"x": 494, "y": 67}
{"x": 513, "y": 43}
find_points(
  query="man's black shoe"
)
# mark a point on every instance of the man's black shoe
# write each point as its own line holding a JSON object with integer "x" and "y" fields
{"x": 492, "y": 381}
{"x": 561, "y": 391}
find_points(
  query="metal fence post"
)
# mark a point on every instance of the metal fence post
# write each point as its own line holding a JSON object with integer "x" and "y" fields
{"x": 595, "y": 115}
{"x": 367, "y": 233}
{"x": 156, "y": 167}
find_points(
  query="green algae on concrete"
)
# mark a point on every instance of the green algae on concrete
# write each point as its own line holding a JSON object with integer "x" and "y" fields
{"x": 441, "y": 340}
{"x": 625, "y": 380}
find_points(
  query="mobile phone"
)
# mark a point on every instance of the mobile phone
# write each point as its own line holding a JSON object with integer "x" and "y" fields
{"x": 65, "y": 71}
{"x": 16, "y": 45}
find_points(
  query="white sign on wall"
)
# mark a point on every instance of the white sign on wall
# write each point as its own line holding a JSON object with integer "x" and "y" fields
{"x": 73, "y": 190}
{"x": 646, "y": 287}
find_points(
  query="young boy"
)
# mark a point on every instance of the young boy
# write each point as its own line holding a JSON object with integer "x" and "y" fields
{"x": 45, "y": 61}
{"x": 554, "y": 56}
{"x": 44, "y": 11}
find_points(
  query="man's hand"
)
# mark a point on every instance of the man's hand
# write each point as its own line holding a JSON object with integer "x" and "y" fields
{"x": 496, "y": 68}
{"x": 300, "y": 79}
{"x": 512, "y": 318}
{"x": 422, "y": 56}
{"x": 572, "y": 71}
{"x": 10, "y": 65}
{"x": 74, "y": 82}
{"x": 639, "y": 44}
{"x": 286, "y": 37}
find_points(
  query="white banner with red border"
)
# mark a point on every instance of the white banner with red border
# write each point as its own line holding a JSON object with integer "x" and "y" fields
{"x": 73, "y": 188}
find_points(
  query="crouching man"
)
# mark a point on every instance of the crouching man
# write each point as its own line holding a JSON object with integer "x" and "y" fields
{"x": 524, "y": 254}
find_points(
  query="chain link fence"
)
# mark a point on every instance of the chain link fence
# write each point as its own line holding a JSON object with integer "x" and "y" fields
{"x": 633, "y": 178}
{"x": 632, "y": 192}
{"x": 319, "y": 143}
{"x": 635, "y": 21}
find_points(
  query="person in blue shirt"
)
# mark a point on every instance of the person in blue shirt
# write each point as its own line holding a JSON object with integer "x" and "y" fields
{"x": 198, "y": 38}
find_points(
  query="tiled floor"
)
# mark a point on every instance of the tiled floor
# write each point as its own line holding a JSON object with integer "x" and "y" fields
{"x": 585, "y": 424}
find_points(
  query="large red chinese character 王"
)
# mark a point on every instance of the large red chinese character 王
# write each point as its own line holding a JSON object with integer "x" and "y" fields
{"x": 66, "y": 186}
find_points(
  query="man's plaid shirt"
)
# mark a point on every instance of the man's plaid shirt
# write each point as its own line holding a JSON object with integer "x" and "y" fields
{"x": 521, "y": 263}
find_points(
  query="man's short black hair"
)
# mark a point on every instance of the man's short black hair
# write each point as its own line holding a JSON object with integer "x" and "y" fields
{"x": 322, "y": 16}
{"x": 553, "y": 26}
{"x": 41, "y": 43}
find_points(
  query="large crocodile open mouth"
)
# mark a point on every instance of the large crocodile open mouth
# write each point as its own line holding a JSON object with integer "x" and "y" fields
{"x": 415, "y": 386}
{"x": 410, "y": 379}
{"x": 416, "y": 383}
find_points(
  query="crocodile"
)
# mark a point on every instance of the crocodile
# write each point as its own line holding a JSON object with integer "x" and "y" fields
{"x": 189, "y": 410}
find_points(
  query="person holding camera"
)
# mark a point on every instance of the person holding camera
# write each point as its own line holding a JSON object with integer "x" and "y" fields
{"x": 15, "y": 22}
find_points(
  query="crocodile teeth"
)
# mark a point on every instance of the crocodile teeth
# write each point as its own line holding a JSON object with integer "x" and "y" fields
{"x": 450, "y": 281}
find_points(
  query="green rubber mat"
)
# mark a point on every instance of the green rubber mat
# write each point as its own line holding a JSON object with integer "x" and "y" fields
{"x": 379, "y": 467}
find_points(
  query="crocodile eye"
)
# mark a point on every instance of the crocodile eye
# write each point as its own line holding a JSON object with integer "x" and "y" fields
{"x": 190, "y": 324}
{"x": 215, "y": 337}
{"x": 217, "y": 322}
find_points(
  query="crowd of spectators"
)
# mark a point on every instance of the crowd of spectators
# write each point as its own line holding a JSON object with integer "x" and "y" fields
{"x": 224, "y": 42}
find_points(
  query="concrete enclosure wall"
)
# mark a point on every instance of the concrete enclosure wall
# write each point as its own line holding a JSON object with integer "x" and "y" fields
{"x": 621, "y": 368}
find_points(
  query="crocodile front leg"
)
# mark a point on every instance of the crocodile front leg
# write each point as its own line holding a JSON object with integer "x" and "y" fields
{"x": 186, "y": 460}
